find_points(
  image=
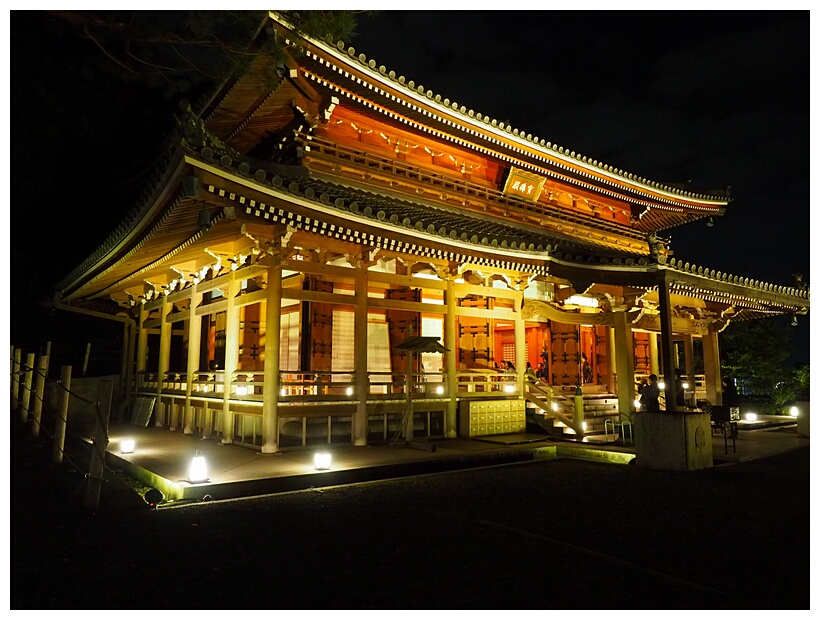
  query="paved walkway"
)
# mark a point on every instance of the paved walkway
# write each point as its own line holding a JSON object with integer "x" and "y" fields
{"x": 162, "y": 459}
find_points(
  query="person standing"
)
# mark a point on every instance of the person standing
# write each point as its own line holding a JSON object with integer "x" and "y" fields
{"x": 586, "y": 369}
{"x": 530, "y": 372}
{"x": 650, "y": 394}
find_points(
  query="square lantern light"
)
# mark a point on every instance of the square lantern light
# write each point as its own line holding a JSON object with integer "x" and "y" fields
{"x": 127, "y": 446}
{"x": 321, "y": 461}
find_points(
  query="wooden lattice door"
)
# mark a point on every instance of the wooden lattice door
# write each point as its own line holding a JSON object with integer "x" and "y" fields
{"x": 565, "y": 358}
{"x": 641, "y": 340}
{"x": 320, "y": 336}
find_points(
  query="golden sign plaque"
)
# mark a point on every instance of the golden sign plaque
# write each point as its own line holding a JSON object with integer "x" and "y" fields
{"x": 523, "y": 184}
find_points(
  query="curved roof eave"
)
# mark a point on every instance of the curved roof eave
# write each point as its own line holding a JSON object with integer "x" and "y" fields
{"x": 497, "y": 132}
{"x": 126, "y": 234}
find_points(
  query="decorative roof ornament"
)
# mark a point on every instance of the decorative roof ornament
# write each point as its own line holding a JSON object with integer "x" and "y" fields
{"x": 658, "y": 248}
{"x": 194, "y": 137}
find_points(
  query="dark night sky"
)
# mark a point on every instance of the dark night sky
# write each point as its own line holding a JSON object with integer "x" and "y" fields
{"x": 718, "y": 98}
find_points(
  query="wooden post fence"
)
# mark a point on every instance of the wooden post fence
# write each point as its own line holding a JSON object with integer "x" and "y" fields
{"x": 62, "y": 415}
{"x": 25, "y": 392}
{"x": 39, "y": 394}
{"x": 97, "y": 466}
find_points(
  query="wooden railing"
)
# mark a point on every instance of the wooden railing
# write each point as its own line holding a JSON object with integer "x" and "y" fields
{"x": 322, "y": 386}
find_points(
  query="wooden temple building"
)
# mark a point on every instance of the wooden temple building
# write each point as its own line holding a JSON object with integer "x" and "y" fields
{"x": 341, "y": 255}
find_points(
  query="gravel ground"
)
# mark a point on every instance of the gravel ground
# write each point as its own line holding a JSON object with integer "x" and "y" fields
{"x": 544, "y": 535}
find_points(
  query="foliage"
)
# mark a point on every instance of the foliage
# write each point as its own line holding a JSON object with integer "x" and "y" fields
{"x": 800, "y": 377}
{"x": 186, "y": 52}
{"x": 755, "y": 353}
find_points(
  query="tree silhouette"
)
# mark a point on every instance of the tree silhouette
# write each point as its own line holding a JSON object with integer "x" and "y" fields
{"x": 180, "y": 51}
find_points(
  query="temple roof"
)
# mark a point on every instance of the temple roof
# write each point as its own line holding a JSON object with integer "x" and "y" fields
{"x": 175, "y": 223}
{"x": 381, "y": 91}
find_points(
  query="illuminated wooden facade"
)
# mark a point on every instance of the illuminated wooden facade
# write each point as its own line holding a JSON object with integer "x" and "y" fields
{"x": 347, "y": 209}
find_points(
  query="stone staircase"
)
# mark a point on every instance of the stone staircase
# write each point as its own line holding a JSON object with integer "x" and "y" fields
{"x": 557, "y": 420}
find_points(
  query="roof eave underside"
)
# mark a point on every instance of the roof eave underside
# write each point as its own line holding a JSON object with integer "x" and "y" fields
{"x": 178, "y": 230}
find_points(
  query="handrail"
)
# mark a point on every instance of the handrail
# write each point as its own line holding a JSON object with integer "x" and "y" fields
{"x": 543, "y": 396}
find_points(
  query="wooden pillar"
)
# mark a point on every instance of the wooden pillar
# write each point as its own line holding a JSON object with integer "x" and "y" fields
{"x": 520, "y": 344}
{"x": 231, "y": 355}
{"x": 15, "y": 377}
{"x": 611, "y": 355}
{"x": 130, "y": 385}
{"x": 25, "y": 392}
{"x": 124, "y": 361}
{"x": 58, "y": 441}
{"x": 624, "y": 362}
{"x": 359, "y": 422}
{"x": 96, "y": 470}
{"x": 270, "y": 387}
{"x": 39, "y": 391}
{"x": 142, "y": 345}
{"x": 667, "y": 345}
{"x": 194, "y": 342}
{"x": 409, "y": 419}
{"x": 653, "y": 353}
{"x": 48, "y": 355}
{"x": 164, "y": 352}
{"x": 711, "y": 368}
{"x": 689, "y": 357}
{"x": 450, "y": 357}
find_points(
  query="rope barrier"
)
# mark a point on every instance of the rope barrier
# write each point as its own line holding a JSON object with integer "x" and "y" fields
{"x": 97, "y": 410}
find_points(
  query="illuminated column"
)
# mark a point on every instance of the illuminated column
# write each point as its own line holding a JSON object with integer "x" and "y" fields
{"x": 231, "y": 355}
{"x": 359, "y": 425}
{"x": 520, "y": 344}
{"x": 450, "y": 332}
{"x": 39, "y": 390}
{"x": 653, "y": 353}
{"x": 667, "y": 346}
{"x": 124, "y": 359}
{"x": 711, "y": 367}
{"x": 624, "y": 362}
{"x": 270, "y": 387}
{"x": 164, "y": 351}
{"x": 611, "y": 356}
{"x": 25, "y": 391}
{"x": 194, "y": 343}
{"x": 142, "y": 345}
{"x": 130, "y": 384}
{"x": 15, "y": 377}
